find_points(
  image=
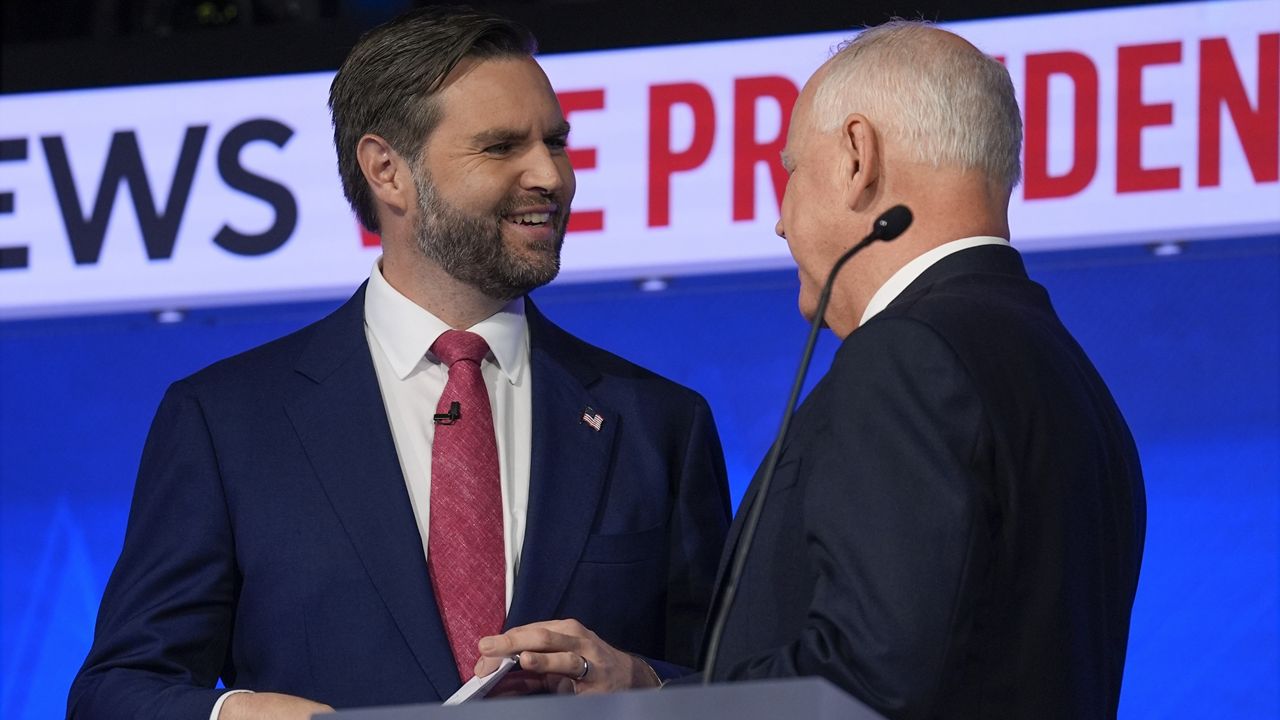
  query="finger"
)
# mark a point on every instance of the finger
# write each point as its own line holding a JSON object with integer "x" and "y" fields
{"x": 537, "y": 638}
{"x": 569, "y": 627}
{"x": 531, "y": 637}
{"x": 495, "y": 646}
{"x": 568, "y": 664}
{"x": 486, "y": 665}
{"x": 519, "y": 682}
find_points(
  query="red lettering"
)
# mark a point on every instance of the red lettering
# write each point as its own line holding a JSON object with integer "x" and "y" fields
{"x": 583, "y": 158}
{"x": 368, "y": 239}
{"x": 1037, "y": 182}
{"x": 1258, "y": 128}
{"x": 747, "y": 151}
{"x": 664, "y": 161}
{"x": 1133, "y": 115}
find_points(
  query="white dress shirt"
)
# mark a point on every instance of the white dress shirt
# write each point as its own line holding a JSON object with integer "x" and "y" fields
{"x": 908, "y": 273}
{"x": 412, "y": 379}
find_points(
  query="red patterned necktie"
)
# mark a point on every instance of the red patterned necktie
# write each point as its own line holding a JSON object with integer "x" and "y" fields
{"x": 465, "y": 556}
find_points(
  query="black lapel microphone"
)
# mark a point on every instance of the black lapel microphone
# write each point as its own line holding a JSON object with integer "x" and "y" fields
{"x": 889, "y": 225}
{"x": 451, "y": 417}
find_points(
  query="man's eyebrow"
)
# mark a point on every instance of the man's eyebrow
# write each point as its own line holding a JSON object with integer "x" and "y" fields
{"x": 496, "y": 136}
{"x": 788, "y": 163}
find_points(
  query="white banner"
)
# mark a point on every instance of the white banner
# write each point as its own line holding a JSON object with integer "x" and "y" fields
{"x": 1154, "y": 123}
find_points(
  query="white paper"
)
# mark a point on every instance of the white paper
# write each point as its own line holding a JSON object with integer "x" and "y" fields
{"x": 480, "y": 685}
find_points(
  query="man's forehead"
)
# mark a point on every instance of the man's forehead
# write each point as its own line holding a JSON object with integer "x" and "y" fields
{"x": 800, "y": 124}
{"x": 506, "y": 92}
{"x": 480, "y": 74}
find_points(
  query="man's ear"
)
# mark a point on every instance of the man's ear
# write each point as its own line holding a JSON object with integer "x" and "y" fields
{"x": 387, "y": 173}
{"x": 861, "y": 145}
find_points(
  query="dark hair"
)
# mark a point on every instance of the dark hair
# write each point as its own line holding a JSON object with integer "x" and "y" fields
{"x": 388, "y": 82}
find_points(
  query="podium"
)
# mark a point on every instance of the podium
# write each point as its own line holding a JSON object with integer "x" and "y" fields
{"x": 796, "y": 699}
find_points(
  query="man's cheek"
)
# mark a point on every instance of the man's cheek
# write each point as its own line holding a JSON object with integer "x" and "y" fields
{"x": 570, "y": 187}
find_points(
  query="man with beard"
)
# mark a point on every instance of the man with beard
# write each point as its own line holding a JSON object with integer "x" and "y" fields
{"x": 337, "y": 517}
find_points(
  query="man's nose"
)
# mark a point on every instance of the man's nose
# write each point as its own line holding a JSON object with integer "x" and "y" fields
{"x": 542, "y": 172}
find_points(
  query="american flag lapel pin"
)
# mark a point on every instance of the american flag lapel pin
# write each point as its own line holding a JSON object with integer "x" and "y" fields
{"x": 592, "y": 418}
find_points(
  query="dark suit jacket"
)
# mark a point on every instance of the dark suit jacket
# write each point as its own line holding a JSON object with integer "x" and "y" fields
{"x": 271, "y": 541}
{"x": 958, "y": 515}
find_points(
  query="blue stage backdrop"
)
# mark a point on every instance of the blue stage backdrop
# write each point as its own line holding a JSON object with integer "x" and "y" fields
{"x": 1190, "y": 344}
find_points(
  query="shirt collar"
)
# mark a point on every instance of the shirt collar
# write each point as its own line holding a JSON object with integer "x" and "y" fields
{"x": 907, "y": 274}
{"x": 405, "y": 331}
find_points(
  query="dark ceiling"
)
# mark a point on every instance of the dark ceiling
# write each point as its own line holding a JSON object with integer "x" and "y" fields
{"x": 58, "y": 44}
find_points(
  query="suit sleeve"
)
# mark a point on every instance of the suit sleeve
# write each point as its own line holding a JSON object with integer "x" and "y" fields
{"x": 164, "y": 625}
{"x": 897, "y": 520}
{"x": 698, "y": 524}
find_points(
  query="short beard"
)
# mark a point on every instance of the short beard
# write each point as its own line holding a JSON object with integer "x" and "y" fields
{"x": 470, "y": 247}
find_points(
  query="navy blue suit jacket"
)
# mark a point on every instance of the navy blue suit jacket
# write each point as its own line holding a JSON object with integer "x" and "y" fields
{"x": 271, "y": 542}
{"x": 957, "y": 518}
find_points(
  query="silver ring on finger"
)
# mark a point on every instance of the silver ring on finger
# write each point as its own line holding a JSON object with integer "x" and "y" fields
{"x": 586, "y": 668}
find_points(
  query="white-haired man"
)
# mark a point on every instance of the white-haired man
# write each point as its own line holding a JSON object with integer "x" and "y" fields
{"x": 957, "y": 520}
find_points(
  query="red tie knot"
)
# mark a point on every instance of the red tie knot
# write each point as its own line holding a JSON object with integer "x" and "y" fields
{"x": 455, "y": 345}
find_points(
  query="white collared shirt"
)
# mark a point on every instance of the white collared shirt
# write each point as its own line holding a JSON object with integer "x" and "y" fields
{"x": 412, "y": 379}
{"x": 908, "y": 273}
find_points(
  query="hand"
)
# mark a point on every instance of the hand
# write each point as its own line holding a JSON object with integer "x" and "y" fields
{"x": 555, "y": 650}
{"x": 269, "y": 706}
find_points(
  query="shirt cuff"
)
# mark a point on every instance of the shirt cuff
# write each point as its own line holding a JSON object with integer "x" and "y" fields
{"x": 653, "y": 674}
{"x": 217, "y": 707}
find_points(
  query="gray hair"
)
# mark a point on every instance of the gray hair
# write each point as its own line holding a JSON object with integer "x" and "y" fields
{"x": 946, "y": 103}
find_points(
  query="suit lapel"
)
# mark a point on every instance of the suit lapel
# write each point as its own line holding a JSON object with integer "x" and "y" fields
{"x": 343, "y": 427}
{"x": 568, "y": 468}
